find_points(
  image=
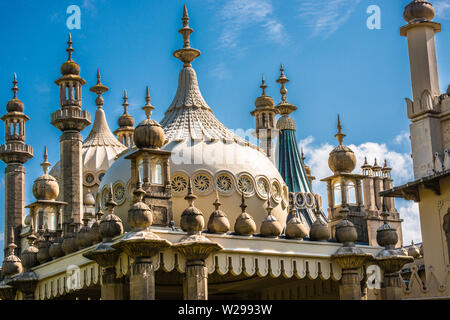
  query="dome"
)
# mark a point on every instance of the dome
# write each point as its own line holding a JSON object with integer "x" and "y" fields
{"x": 286, "y": 123}
{"x": 89, "y": 199}
{"x": 45, "y": 187}
{"x": 149, "y": 134}
{"x": 387, "y": 236}
{"x": 15, "y": 105}
{"x": 126, "y": 120}
{"x": 419, "y": 10}
{"x": 70, "y": 68}
{"x": 264, "y": 102}
{"x": 342, "y": 159}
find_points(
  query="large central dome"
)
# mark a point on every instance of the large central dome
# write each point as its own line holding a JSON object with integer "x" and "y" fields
{"x": 207, "y": 152}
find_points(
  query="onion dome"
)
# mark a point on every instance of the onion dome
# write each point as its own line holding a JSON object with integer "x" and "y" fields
{"x": 45, "y": 187}
{"x": 270, "y": 227}
{"x": 295, "y": 229}
{"x": 125, "y": 120}
{"x": 218, "y": 221}
{"x": 70, "y": 67}
{"x": 192, "y": 220}
{"x": 84, "y": 236}
{"x": 56, "y": 250}
{"x": 386, "y": 235}
{"x": 419, "y": 10}
{"x": 149, "y": 133}
{"x": 111, "y": 225}
{"x": 341, "y": 159}
{"x": 43, "y": 246}
{"x": 413, "y": 251}
{"x": 89, "y": 199}
{"x": 244, "y": 225}
{"x": 69, "y": 243}
{"x": 264, "y": 101}
{"x": 346, "y": 231}
{"x": 11, "y": 264}
{"x": 319, "y": 229}
{"x": 140, "y": 215}
{"x": 15, "y": 105}
{"x": 96, "y": 236}
{"x": 29, "y": 255}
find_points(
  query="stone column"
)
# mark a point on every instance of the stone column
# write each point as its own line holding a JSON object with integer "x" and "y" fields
{"x": 142, "y": 280}
{"x": 71, "y": 171}
{"x": 350, "y": 286}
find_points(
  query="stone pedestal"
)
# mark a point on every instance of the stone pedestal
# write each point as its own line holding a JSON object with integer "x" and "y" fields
{"x": 26, "y": 283}
{"x": 196, "y": 248}
{"x": 391, "y": 287}
{"x": 391, "y": 264}
{"x": 350, "y": 286}
{"x": 142, "y": 280}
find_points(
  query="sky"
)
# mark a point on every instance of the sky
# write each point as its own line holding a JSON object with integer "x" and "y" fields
{"x": 336, "y": 64}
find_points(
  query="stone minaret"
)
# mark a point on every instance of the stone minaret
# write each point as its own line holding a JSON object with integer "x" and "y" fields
{"x": 425, "y": 126}
{"x": 71, "y": 120}
{"x": 265, "y": 124}
{"x": 14, "y": 153}
{"x": 125, "y": 132}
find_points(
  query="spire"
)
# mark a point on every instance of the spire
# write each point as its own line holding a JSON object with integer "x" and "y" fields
{"x": 283, "y": 80}
{"x": 284, "y": 108}
{"x": 69, "y": 48}
{"x": 139, "y": 192}
{"x": 99, "y": 89}
{"x": 217, "y": 203}
{"x": 339, "y": 135}
{"x": 186, "y": 54}
{"x": 11, "y": 246}
{"x": 148, "y": 108}
{"x": 243, "y": 205}
{"x": 190, "y": 197}
{"x": 269, "y": 207}
{"x": 45, "y": 165}
{"x": 263, "y": 86}
{"x": 125, "y": 104}
{"x": 15, "y": 88}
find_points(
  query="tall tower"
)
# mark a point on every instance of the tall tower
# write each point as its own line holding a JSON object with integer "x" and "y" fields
{"x": 14, "y": 153}
{"x": 265, "y": 126}
{"x": 423, "y": 110}
{"x": 71, "y": 120}
{"x": 125, "y": 132}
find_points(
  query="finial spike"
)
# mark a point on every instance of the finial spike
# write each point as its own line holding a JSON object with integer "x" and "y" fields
{"x": 217, "y": 203}
{"x": 302, "y": 155}
{"x": 45, "y": 165}
{"x": 339, "y": 135}
{"x": 98, "y": 76}
{"x": 69, "y": 48}
{"x": 148, "y": 108}
{"x": 185, "y": 12}
{"x": 190, "y": 197}
{"x": 15, "y": 88}
{"x": 125, "y": 102}
{"x": 263, "y": 85}
{"x": 243, "y": 205}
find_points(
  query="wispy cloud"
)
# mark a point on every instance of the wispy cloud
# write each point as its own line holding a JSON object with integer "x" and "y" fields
{"x": 221, "y": 71}
{"x": 327, "y": 16}
{"x": 442, "y": 8}
{"x": 317, "y": 159}
{"x": 90, "y": 6}
{"x": 237, "y": 15}
{"x": 402, "y": 138}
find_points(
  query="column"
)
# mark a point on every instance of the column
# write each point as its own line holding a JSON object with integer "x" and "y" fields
{"x": 142, "y": 280}
{"x": 111, "y": 287}
{"x": 350, "y": 286}
{"x": 195, "y": 284}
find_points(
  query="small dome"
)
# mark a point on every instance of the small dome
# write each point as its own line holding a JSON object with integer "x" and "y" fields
{"x": 11, "y": 264}
{"x": 140, "y": 215}
{"x": 342, "y": 159}
{"x": 45, "y": 187}
{"x": 111, "y": 226}
{"x": 149, "y": 134}
{"x": 286, "y": 123}
{"x": 295, "y": 229}
{"x": 419, "y": 10}
{"x": 270, "y": 227}
{"x": 84, "y": 236}
{"x": 218, "y": 221}
{"x": 264, "y": 102}
{"x": 244, "y": 225}
{"x": 56, "y": 250}
{"x": 126, "y": 120}
{"x": 387, "y": 236}
{"x": 15, "y": 105}
{"x": 319, "y": 230}
{"x": 192, "y": 220}
{"x": 70, "y": 68}
{"x": 29, "y": 255}
{"x": 346, "y": 232}
{"x": 89, "y": 199}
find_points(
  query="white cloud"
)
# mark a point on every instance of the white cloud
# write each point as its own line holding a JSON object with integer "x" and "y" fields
{"x": 237, "y": 15}
{"x": 317, "y": 159}
{"x": 402, "y": 138}
{"x": 442, "y": 8}
{"x": 326, "y": 17}
{"x": 221, "y": 72}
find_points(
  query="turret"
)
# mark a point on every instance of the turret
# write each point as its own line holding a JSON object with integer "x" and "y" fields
{"x": 15, "y": 153}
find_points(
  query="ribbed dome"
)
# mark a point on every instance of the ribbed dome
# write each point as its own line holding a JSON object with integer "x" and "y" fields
{"x": 342, "y": 159}
{"x": 70, "y": 68}
{"x": 15, "y": 105}
{"x": 149, "y": 134}
{"x": 286, "y": 123}
{"x": 45, "y": 187}
{"x": 126, "y": 120}
{"x": 419, "y": 10}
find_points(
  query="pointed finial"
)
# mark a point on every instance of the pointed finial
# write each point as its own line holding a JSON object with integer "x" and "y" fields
{"x": 98, "y": 76}
{"x": 69, "y": 48}
{"x": 283, "y": 80}
{"x": 139, "y": 192}
{"x": 243, "y": 205}
{"x": 12, "y": 246}
{"x": 148, "y": 108}
{"x": 45, "y": 165}
{"x": 190, "y": 197}
{"x": 186, "y": 54}
{"x": 269, "y": 207}
{"x": 375, "y": 164}
{"x": 339, "y": 135}
{"x": 15, "y": 88}
{"x": 99, "y": 89}
{"x": 111, "y": 203}
{"x": 263, "y": 85}
{"x": 217, "y": 203}
{"x": 125, "y": 104}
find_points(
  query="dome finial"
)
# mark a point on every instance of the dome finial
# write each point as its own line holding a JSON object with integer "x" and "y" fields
{"x": 139, "y": 192}
{"x": 263, "y": 85}
{"x": 15, "y": 88}
{"x": 69, "y": 48}
{"x": 11, "y": 246}
{"x": 190, "y": 197}
{"x": 339, "y": 135}
{"x": 186, "y": 54}
{"x": 148, "y": 108}
{"x": 45, "y": 165}
{"x": 217, "y": 203}
{"x": 283, "y": 80}
{"x": 99, "y": 89}
{"x": 243, "y": 205}
{"x": 125, "y": 104}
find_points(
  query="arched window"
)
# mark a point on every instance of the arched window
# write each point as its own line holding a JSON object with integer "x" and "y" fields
{"x": 351, "y": 191}
{"x": 156, "y": 173}
{"x": 337, "y": 194}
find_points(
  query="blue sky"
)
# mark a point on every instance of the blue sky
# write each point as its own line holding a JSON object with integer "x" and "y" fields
{"x": 335, "y": 64}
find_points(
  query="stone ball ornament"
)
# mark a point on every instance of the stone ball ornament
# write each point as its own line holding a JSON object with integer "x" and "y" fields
{"x": 110, "y": 226}
{"x": 346, "y": 233}
{"x": 45, "y": 187}
{"x": 140, "y": 216}
{"x": 419, "y": 10}
{"x": 387, "y": 236}
{"x": 342, "y": 159}
{"x": 70, "y": 68}
{"x": 149, "y": 134}
{"x": 218, "y": 221}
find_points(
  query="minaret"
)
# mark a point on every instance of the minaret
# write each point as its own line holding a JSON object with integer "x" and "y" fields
{"x": 290, "y": 162}
{"x": 125, "y": 132}
{"x": 264, "y": 114}
{"x": 425, "y": 128}
{"x": 71, "y": 120}
{"x": 14, "y": 153}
